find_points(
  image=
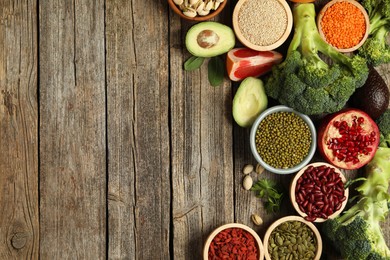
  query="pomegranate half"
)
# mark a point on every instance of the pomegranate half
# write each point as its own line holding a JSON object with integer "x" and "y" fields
{"x": 348, "y": 139}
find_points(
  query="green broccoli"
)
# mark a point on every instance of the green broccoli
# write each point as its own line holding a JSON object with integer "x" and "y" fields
{"x": 376, "y": 49}
{"x": 307, "y": 83}
{"x": 357, "y": 234}
{"x": 383, "y": 123}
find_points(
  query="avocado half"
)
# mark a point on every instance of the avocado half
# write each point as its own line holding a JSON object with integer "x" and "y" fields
{"x": 209, "y": 39}
{"x": 249, "y": 101}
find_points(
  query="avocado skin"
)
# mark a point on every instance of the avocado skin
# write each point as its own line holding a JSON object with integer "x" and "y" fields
{"x": 373, "y": 96}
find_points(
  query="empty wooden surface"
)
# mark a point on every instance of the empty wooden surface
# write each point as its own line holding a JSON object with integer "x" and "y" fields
{"x": 109, "y": 149}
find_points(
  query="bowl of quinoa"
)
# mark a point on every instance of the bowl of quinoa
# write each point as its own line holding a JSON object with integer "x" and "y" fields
{"x": 262, "y": 25}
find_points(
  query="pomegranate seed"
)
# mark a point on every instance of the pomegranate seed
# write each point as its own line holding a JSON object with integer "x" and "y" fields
{"x": 360, "y": 120}
{"x": 336, "y": 124}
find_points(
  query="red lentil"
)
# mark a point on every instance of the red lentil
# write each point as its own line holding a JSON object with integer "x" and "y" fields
{"x": 343, "y": 25}
{"x": 233, "y": 243}
{"x": 319, "y": 192}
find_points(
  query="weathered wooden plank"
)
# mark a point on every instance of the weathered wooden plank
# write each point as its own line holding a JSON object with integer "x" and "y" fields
{"x": 202, "y": 161}
{"x": 138, "y": 129}
{"x": 72, "y": 130}
{"x": 19, "y": 221}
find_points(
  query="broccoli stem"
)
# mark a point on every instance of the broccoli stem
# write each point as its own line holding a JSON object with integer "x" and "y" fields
{"x": 307, "y": 36}
{"x": 377, "y": 21}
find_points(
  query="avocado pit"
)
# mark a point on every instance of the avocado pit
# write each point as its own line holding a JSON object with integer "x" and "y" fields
{"x": 207, "y": 39}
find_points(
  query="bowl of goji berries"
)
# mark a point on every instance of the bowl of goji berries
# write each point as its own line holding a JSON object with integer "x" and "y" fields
{"x": 233, "y": 241}
{"x": 318, "y": 192}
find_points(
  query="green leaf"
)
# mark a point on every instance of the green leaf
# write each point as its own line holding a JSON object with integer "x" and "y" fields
{"x": 193, "y": 63}
{"x": 270, "y": 192}
{"x": 215, "y": 71}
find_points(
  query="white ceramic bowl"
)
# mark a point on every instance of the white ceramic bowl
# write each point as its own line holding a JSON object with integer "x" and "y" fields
{"x": 312, "y": 149}
{"x": 233, "y": 225}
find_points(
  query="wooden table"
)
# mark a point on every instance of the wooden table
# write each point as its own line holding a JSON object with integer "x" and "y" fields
{"x": 109, "y": 149}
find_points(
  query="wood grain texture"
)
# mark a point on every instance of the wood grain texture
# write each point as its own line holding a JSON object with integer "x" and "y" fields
{"x": 138, "y": 130}
{"x": 72, "y": 130}
{"x": 19, "y": 222}
{"x": 202, "y": 165}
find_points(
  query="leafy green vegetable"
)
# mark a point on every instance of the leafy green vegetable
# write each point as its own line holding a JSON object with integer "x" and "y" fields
{"x": 271, "y": 192}
{"x": 304, "y": 81}
{"x": 215, "y": 71}
{"x": 376, "y": 48}
{"x": 383, "y": 123}
{"x": 193, "y": 63}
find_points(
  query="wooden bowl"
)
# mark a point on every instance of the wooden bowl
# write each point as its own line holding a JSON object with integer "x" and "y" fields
{"x": 233, "y": 225}
{"x": 292, "y": 218}
{"x": 366, "y": 18}
{"x": 197, "y": 18}
{"x": 251, "y": 45}
{"x": 294, "y": 184}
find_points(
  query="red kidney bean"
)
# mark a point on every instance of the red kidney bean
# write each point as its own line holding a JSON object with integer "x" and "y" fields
{"x": 320, "y": 192}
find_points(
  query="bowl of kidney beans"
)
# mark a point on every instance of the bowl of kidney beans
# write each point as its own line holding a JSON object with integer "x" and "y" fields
{"x": 317, "y": 192}
{"x": 233, "y": 241}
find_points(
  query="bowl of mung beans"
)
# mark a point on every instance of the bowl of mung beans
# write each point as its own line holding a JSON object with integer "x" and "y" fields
{"x": 283, "y": 140}
{"x": 292, "y": 237}
{"x": 262, "y": 25}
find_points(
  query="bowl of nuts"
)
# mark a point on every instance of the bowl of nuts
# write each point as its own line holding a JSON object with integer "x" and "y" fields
{"x": 317, "y": 192}
{"x": 283, "y": 140}
{"x": 292, "y": 237}
{"x": 197, "y": 10}
{"x": 233, "y": 241}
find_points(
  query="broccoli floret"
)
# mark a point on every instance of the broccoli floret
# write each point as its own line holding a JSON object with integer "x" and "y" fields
{"x": 307, "y": 83}
{"x": 376, "y": 49}
{"x": 383, "y": 123}
{"x": 357, "y": 233}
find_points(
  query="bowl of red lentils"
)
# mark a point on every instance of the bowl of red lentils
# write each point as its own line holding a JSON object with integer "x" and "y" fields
{"x": 283, "y": 140}
{"x": 344, "y": 24}
{"x": 318, "y": 192}
{"x": 233, "y": 241}
{"x": 262, "y": 25}
{"x": 292, "y": 237}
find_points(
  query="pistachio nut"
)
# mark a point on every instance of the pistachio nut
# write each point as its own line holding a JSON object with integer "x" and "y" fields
{"x": 203, "y": 12}
{"x": 256, "y": 219}
{"x": 200, "y": 6}
{"x": 189, "y": 12}
{"x": 178, "y": 2}
{"x": 216, "y": 5}
{"x": 209, "y": 5}
{"x": 247, "y": 169}
{"x": 193, "y": 2}
{"x": 247, "y": 182}
{"x": 259, "y": 169}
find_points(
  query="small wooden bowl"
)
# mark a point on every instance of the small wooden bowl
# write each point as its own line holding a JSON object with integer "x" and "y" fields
{"x": 197, "y": 18}
{"x": 292, "y": 218}
{"x": 294, "y": 184}
{"x": 366, "y": 18}
{"x": 210, "y": 238}
{"x": 253, "y": 46}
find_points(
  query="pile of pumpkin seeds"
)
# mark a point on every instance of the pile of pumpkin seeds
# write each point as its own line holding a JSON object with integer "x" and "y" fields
{"x": 292, "y": 240}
